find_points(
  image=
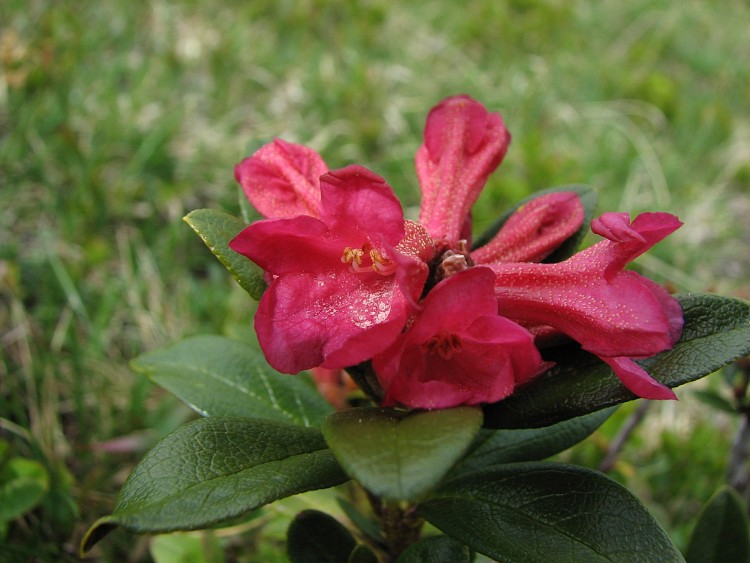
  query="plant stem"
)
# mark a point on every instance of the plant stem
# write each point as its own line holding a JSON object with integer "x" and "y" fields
{"x": 400, "y": 523}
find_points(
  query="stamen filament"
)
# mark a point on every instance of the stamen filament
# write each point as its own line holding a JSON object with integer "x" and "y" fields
{"x": 379, "y": 264}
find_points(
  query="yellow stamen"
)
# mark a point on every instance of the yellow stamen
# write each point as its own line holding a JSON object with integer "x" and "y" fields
{"x": 378, "y": 263}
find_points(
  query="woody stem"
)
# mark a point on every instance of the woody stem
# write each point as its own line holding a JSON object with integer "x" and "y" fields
{"x": 400, "y": 523}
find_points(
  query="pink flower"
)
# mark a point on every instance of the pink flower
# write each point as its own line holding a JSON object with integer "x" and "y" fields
{"x": 344, "y": 283}
{"x": 534, "y": 230}
{"x": 615, "y": 314}
{"x": 282, "y": 180}
{"x": 352, "y": 281}
{"x": 463, "y": 144}
{"x": 457, "y": 350}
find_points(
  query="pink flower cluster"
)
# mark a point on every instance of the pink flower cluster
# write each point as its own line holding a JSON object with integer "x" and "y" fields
{"x": 351, "y": 280}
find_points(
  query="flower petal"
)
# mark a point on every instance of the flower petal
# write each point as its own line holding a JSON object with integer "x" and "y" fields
{"x": 635, "y": 378}
{"x": 357, "y": 204}
{"x": 457, "y": 349}
{"x": 588, "y": 297}
{"x": 627, "y": 240}
{"x": 334, "y": 319}
{"x": 535, "y": 230}
{"x": 463, "y": 144}
{"x": 281, "y": 179}
{"x": 282, "y": 246}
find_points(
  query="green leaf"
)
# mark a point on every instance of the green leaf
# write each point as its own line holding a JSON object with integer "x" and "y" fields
{"x": 493, "y": 447}
{"x": 721, "y": 533}
{"x": 716, "y": 332}
{"x": 541, "y": 512}
{"x": 218, "y": 376}
{"x": 400, "y": 455}
{"x": 23, "y": 484}
{"x": 568, "y": 247}
{"x": 214, "y": 469}
{"x": 316, "y": 537}
{"x": 217, "y": 228}
{"x": 436, "y": 549}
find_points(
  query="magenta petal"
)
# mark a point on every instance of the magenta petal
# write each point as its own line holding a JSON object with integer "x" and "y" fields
{"x": 589, "y": 298}
{"x": 535, "y": 230}
{"x": 282, "y": 246}
{"x": 635, "y": 378}
{"x": 457, "y": 350}
{"x": 627, "y": 242}
{"x": 619, "y": 317}
{"x": 333, "y": 320}
{"x": 463, "y": 144}
{"x": 281, "y": 179}
{"x": 456, "y": 302}
{"x": 357, "y": 203}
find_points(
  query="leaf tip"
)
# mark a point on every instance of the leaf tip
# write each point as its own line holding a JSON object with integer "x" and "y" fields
{"x": 95, "y": 533}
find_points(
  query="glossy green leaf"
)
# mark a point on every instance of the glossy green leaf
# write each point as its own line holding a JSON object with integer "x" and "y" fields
{"x": 316, "y": 537}
{"x": 542, "y": 512}
{"x": 214, "y": 469}
{"x": 716, "y": 332}
{"x": 217, "y": 228}
{"x": 436, "y": 549}
{"x": 721, "y": 534}
{"x": 568, "y": 247}
{"x": 400, "y": 455}
{"x": 493, "y": 447}
{"x": 218, "y": 376}
{"x": 23, "y": 485}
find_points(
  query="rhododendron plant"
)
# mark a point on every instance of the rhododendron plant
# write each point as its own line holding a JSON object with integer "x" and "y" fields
{"x": 445, "y": 368}
{"x": 318, "y": 311}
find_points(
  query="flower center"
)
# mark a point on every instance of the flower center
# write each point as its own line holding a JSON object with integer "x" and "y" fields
{"x": 447, "y": 262}
{"x": 443, "y": 344}
{"x": 367, "y": 259}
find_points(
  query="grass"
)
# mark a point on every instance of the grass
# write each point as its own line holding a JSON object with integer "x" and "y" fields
{"x": 117, "y": 118}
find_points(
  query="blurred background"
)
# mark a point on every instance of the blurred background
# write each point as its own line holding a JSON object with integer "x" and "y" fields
{"x": 117, "y": 118}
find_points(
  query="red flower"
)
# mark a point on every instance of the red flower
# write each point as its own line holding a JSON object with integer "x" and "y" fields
{"x": 457, "y": 350}
{"x": 348, "y": 273}
{"x": 463, "y": 144}
{"x": 612, "y": 313}
{"x": 343, "y": 283}
{"x": 535, "y": 230}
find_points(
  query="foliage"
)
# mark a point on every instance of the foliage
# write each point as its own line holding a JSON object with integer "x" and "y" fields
{"x": 220, "y": 467}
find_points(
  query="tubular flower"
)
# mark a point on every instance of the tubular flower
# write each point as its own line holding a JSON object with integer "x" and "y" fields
{"x": 343, "y": 283}
{"x": 463, "y": 144}
{"x": 615, "y": 314}
{"x": 457, "y": 350}
{"x": 534, "y": 230}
